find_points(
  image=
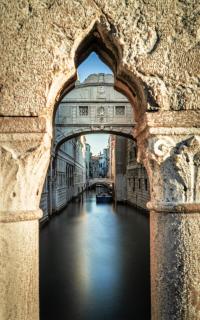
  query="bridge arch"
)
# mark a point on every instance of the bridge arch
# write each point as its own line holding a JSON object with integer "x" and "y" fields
{"x": 103, "y": 181}
{"x": 80, "y": 132}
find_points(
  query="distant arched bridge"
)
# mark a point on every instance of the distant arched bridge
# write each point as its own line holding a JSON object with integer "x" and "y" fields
{"x": 102, "y": 181}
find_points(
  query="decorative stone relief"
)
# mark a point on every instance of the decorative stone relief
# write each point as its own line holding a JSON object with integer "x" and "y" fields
{"x": 101, "y": 113}
{"x": 162, "y": 149}
{"x": 187, "y": 162}
{"x": 23, "y": 161}
{"x": 173, "y": 169}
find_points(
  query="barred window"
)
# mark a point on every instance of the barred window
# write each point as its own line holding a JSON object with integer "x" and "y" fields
{"x": 133, "y": 184}
{"x": 120, "y": 110}
{"x": 146, "y": 185}
{"x": 83, "y": 110}
{"x": 135, "y": 151}
{"x": 131, "y": 154}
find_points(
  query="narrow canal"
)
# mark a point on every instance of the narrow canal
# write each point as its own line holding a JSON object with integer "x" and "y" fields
{"x": 94, "y": 263}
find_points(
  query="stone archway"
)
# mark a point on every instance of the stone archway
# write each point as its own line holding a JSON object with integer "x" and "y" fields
{"x": 124, "y": 133}
{"x": 139, "y": 49}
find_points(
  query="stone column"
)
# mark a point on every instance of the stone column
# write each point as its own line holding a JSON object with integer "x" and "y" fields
{"x": 19, "y": 276}
{"x": 171, "y": 155}
{"x": 24, "y": 156}
{"x": 50, "y": 188}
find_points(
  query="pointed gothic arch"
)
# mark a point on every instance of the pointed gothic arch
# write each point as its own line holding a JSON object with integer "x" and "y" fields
{"x": 99, "y": 40}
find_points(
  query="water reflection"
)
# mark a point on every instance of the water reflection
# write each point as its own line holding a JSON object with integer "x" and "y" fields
{"x": 95, "y": 264}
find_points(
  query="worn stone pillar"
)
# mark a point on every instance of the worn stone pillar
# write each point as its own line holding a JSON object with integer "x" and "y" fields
{"x": 24, "y": 156}
{"x": 19, "y": 276}
{"x": 171, "y": 155}
{"x": 175, "y": 265}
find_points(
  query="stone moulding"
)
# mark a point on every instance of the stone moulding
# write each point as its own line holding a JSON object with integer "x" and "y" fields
{"x": 168, "y": 123}
{"x": 17, "y": 216}
{"x": 23, "y": 125}
{"x": 174, "y": 207}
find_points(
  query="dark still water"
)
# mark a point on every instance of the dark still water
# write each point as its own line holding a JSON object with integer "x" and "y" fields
{"x": 94, "y": 263}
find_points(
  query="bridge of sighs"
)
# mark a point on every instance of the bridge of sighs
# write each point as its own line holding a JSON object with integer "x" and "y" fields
{"x": 93, "y": 106}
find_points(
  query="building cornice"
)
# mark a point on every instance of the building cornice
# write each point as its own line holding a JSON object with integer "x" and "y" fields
{"x": 94, "y": 101}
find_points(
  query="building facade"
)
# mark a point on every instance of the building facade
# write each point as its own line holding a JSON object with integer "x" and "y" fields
{"x": 130, "y": 178}
{"x": 118, "y": 153}
{"x": 88, "y": 155}
{"x": 103, "y": 163}
{"x": 94, "y": 167}
{"x": 67, "y": 177}
{"x": 137, "y": 182}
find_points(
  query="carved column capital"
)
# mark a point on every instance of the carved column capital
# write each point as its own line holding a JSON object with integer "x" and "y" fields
{"x": 173, "y": 166}
{"x": 24, "y": 159}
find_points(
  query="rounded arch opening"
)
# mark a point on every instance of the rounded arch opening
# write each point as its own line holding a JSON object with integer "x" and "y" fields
{"x": 80, "y": 133}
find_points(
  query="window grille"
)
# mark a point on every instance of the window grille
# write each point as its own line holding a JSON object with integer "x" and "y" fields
{"x": 83, "y": 110}
{"x": 131, "y": 155}
{"x": 133, "y": 184}
{"x": 120, "y": 110}
{"x": 146, "y": 185}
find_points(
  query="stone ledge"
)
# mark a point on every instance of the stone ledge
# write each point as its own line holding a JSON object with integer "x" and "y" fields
{"x": 163, "y": 122}
{"x": 17, "y": 216}
{"x": 174, "y": 131}
{"x": 174, "y": 207}
{"x": 184, "y": 118}
{"x": 22, "y": 125}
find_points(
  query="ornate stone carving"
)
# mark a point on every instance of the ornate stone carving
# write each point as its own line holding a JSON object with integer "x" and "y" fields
{"x": 24, "y": 159}
{"x": 197, "y": 159}
{"x": 162, "y": 148}
{"x": 101, "y": 113}
{"x": 173, "y": 165}
{"x": 187, "y": 161}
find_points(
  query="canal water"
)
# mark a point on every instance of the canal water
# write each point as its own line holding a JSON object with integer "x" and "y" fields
{"x": 94, "y": 263}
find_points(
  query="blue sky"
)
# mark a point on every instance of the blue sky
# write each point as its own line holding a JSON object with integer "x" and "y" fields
{"x": 97, "y": 141}
{"x": 94, "y": 65}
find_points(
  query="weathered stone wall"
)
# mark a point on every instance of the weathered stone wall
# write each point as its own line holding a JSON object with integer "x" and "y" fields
{"x": 159, "y": 44}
